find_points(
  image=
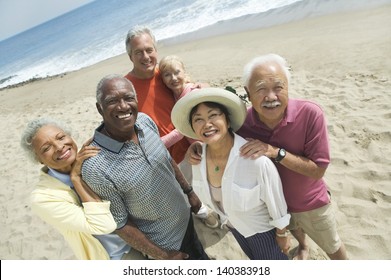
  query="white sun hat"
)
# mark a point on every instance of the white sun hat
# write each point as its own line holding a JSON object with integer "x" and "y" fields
{"x": 180, "y": 112}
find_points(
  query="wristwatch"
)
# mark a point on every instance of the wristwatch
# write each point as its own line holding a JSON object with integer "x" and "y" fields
{"x": 281, "y": 154}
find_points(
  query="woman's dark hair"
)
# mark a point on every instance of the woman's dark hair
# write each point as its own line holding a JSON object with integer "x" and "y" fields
{"x": 212, "y": 105}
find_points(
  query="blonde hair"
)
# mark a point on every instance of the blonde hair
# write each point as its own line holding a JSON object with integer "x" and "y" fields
{"x": 169, "y": 61}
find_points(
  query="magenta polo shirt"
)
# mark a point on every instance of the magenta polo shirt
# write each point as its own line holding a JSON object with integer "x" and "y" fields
{"x": 303, "y": 132}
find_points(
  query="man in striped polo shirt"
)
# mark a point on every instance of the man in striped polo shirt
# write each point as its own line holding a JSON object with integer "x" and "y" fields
{"x": 149, "y": 196}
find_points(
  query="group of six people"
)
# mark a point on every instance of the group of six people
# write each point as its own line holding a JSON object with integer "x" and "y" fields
{"x": 169, "y": 149}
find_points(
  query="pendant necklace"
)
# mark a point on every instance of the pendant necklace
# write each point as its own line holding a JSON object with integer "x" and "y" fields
{"x": 216, "y": 167}
{"x": 223, "y": 158}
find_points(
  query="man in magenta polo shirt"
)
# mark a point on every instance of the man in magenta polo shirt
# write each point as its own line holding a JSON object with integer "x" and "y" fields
{"x": 294, "y": 134}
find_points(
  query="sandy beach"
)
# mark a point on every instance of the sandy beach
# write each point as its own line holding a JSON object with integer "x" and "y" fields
{"x": 340, "y": 60}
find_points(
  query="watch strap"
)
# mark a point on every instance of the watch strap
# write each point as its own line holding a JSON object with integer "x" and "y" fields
{"x": 281, "y": 154}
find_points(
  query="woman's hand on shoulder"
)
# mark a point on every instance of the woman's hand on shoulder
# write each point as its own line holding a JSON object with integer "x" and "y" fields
{"x": 85, "y": 152}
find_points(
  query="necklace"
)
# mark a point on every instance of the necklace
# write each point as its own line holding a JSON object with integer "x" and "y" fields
{"x": 108, "y": 134}
{"x": 216, "y": 166}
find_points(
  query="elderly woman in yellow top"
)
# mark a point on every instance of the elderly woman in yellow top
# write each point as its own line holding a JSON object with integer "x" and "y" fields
{"x": 61, "y": 197}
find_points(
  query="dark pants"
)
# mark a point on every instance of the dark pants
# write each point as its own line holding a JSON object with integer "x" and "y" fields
{"x": 191, "y": 245}
{"x": 260, "y": 246}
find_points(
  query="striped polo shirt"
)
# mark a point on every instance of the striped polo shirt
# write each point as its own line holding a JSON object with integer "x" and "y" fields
{"x": 140, "y": 183}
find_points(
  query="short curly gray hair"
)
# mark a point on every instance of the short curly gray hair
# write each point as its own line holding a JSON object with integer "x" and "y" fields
{"x": 32, "y": 129}
{"x": 102, "y": 82}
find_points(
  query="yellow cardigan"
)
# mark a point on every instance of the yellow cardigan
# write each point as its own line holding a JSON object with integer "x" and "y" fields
{"x": 58, "y": 205}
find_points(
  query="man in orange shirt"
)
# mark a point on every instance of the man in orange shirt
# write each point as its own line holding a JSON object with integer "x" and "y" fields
{"x": 154, "y": 98}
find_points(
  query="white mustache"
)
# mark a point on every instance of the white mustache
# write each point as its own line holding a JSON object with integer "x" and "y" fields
{"x": 271, "y": 104}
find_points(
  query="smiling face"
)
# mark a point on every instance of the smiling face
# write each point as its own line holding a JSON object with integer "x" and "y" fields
{"x": 118, "y": 108}
{"x": 174, "y": 77}
{"x": 143, "y": 56}
{"x": 210, "y": 124}
{"x": 268, "y": 93}
{"x": 54, "y": 148}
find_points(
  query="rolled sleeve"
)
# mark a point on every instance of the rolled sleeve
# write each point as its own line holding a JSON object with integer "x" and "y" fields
{"x": 99, "y": 217}
{"x": 97, "y": 207}
{"x": 273, "y": 196}
{"x": 281, "y": 222}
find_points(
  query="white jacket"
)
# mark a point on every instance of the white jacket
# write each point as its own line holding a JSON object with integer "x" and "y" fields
{"x": 253, "y": 198}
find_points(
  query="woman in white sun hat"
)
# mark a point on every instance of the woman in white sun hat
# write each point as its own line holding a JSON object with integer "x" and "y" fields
{"x": 247, "y": 194}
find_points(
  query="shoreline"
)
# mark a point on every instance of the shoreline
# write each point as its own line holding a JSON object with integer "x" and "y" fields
{"x": 305, "y": 9}
{"x": 338, "y": 60}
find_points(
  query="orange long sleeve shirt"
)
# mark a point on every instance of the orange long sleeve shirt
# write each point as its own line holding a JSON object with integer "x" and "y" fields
{"x": 156, "y": 100}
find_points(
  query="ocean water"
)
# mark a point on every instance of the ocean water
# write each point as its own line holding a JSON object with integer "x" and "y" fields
{"x": 97, "y": 31}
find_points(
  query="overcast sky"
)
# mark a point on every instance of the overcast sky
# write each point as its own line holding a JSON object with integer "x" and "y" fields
{"x": 19, "y": 15}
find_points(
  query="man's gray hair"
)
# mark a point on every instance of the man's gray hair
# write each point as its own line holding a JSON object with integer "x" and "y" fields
{"x": 137, "y": 31}
{"x": 31, "y": 130}
{"x": 102, "y": 82}
{"x": 262, "y": 60}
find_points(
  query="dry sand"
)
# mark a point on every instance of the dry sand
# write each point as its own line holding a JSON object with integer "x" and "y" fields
{"x": 341, "y": 61}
